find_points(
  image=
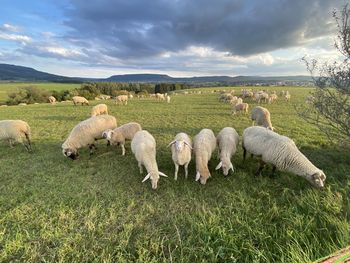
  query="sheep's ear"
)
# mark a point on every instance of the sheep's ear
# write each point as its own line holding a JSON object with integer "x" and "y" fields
{"x": 174, "y": 141}
{"x": 218, "y": 166}
{"x": 146, "y": 177}
{"x": 198, "y": 175}
{"x": 162, "y": 174}
{"x": 189, "y": 145}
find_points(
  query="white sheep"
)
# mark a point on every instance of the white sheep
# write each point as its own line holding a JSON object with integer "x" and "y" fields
{"x": 52, "y": 99}
{"x": 242, "y": 107}
{"x": 80, "y": 99}
{"x": 99, "y": 109}
{"x": 15, "y": 131}
{"x": 121, "y": 99}
{"x": 204, "y": 144}
{"x": 282, "y": 153}
{"x": 168, "y": 99}
{"x": 86, "y": 133}
{"x": 143, "y": 145}
{"x": 227, "y": 140}
{"x": 261, "y": 117}
{"x": 181, "y": 148}
{"x": 122, "y": 133}
{"x": 160, "y": 96}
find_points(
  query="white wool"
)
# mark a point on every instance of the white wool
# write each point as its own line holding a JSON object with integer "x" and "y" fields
{"x": 85, "y": 132}
{"x": 280, "y": 151}
{"x": 15, "y": 130}
{"x": 181, "y": 148}
{"x": 261, "y": 116}
{"x": 204, "y": 143}
{"x": 52, "y": 99}
{"x": 122, "y": 133}
{"x": 99, "y": 109}
{"x": 80, "y": 99}
{"x": 227, "y": 140}
{"x": 121, "y": 99}
{"x": 143, "y": 145}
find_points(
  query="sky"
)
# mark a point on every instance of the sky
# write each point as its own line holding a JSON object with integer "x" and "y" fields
{"x": 181, "y": 38}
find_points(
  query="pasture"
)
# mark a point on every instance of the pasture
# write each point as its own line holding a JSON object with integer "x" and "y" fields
{"x": 96, "y": 209}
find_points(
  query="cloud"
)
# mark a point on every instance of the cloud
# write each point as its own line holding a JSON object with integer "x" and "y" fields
{"x": 136, "y": 28}
{"x": 9, "y": 27}
{"x": 15, "y": 37}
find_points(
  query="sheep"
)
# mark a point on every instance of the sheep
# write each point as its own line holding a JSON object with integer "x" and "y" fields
{"x": 204, "y": 144}
{"x": 143, "y": 146}
{"x": 99, "y": 109}
{"x": 86, "y": 133}
{"x": 168, "y": 99}
{"x": 160, "y": 96}
{"x": 242, "y": 107}
{"x": 261, "y": 117}
{"x": 261, "y": 96}
{"x": 52, "y": 99}
{"x": 181, "y": 148}
{"x": 131, "y": 96}
{"x": 273, "y": 97}
{"x": 287, "y": 96}
{"x": 282, "y": 153}
{"x": 22, "y": 104}
{"x": 79, "y": 99}
{"x": 227, "y": 141}
{"x": 121, "y": 99}
{"x": 122, "y": 133}
{"x": 14, "y": 131}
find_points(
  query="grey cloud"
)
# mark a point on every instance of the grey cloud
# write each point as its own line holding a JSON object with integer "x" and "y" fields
{"x": 136, "y": 28}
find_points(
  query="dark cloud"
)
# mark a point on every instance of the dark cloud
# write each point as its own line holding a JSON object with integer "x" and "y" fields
{"x": 136, "y": 28}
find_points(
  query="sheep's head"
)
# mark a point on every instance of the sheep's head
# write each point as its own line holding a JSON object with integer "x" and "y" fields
{"x": 318, "y": 179}
{"x": 154, "y": 178}
{"x": 180, "y": 145}
{"x": 107, "y": 134}
{"x": 226, "y": 166}
{"x": 203, "y": 176}
{"x": 71, "y": 153}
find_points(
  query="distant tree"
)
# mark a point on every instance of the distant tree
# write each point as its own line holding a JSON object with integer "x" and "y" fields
{"x": 328, "y": 106}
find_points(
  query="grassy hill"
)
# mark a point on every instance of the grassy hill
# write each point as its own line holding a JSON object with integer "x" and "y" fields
{"x": 96, "y": 209}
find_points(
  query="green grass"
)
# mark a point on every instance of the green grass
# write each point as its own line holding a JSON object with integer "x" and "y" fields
{"x": 9, "y": 87}
{"x": 96, "y": 209}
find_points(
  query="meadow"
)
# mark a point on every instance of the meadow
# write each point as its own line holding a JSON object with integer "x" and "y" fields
{"x": 96, "y": 209}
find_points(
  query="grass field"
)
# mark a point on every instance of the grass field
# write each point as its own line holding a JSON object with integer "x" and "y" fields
{"x": 96, "y": 209}
{"x": 8, "y": 87}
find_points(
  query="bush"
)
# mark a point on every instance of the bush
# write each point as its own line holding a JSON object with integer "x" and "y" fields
{"x": 29, "y": 95}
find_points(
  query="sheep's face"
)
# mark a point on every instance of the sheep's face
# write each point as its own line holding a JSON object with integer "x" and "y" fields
{"x": 154, "y": 180}
{"x": 203, "y": 177}
{"x": 226, "y": 166}
{"x": 107, "y": 134}
{"x": 180, "y": 145}
{"x": 318, "y": 179}
{"x": 73, "y": 154}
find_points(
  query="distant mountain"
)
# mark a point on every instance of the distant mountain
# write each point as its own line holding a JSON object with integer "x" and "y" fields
{"x": 19, "y": 73}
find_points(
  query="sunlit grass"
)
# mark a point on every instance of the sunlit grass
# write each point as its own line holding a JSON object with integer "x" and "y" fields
{"x": 94, "y": 209}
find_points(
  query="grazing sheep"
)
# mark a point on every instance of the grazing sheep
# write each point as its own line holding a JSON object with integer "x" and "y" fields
{"x": 273, "y": 97}
{"x": 261, "y": 117}
{"x": 227, "y": 140}
{"x": 261, "y": 96}
{"x": 204, "y": 144}
{"x": 122, "y": 133}
{"x": 121, "y": 99}
{"x": 181, "y": 148}
{"x": 287, "y": 96}
{"x": 99, "y": 109}
{"x": 160, "y": 96}
{"x": 282, "y": 153}
{"x": 242, "y": 107}
{"x": 168, "y": 99}
{"x": 14, "y": 131}
{"x": 143, "y": 145}
{"x": 52, "y": 99}
{"x": 79, "y": 99}
{"x": 86, "y": 133}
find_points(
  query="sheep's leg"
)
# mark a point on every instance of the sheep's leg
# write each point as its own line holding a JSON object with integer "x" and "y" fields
{"x": 10, "y": 143}
{"x": 176, "y": 171}
{"x": 108, "y": 143}
{"x": 261, "y": 167}
{"x": 140, "y": 167}
{"x": 244, "y": 153}
{"x": 92, "y": 147}
{"x": 123, "y": 149}
{"x": 29, "y": 146}
{"x": 273, "y": 174}
{"x": 186, "y": 170}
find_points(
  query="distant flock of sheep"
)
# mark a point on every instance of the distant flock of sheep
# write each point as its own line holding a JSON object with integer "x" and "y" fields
{"x": 277, "y": 150}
